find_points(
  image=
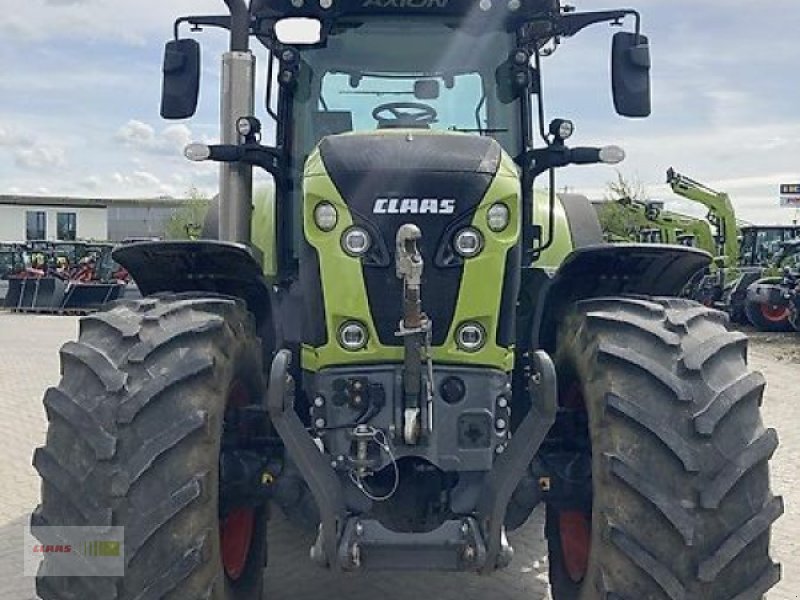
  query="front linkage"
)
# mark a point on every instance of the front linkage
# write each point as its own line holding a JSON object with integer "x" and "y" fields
{"x": 474, "y": 542}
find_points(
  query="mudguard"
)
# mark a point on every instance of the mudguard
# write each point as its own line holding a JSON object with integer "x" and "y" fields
{"x": 613, "y": 270}
{"x": 198, "y": 266}
{"x": 769, "y": 291}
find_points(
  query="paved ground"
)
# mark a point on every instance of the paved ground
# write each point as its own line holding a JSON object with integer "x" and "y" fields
{"x": 29, "y": 364}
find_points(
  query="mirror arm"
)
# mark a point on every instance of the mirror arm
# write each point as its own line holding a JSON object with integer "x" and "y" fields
{"x": 570, "y": 24}
{"x": 269, "y": 86}
{"x": 199, "y": 21}
{"x": 251, "y": 153}
{"x": 534, "y": 163}
{"x": 269, "y": 159}
{"x": 540, "y": 94}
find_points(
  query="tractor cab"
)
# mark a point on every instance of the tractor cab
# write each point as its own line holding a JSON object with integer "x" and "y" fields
{"x": 760, "y": 244}
{"x": 388, "y": 74}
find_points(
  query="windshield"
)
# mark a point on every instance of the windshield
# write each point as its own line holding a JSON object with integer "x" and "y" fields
{"x": 762, "y": 246}
{"x": 423, "y": 72}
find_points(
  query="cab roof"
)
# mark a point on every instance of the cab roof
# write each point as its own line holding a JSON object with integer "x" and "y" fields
{"x": 501, "y": 14}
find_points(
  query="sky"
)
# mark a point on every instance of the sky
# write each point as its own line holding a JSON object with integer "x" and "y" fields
{"x": 80, "y": 86}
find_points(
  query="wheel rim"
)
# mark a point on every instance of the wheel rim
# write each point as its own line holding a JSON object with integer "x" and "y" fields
{"x": 237, "y": 527}
{"x": 236, "y": 536}
{"x": 576, "y": 540}
{"x": 774, "y": 314}
{"x": 575, "y": 527}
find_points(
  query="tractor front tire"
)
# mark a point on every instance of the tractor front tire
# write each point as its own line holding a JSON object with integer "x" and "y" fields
{"x": 764, "y": 317}
{"x": 134, "y": 440}
{"x": 681, "y": 501}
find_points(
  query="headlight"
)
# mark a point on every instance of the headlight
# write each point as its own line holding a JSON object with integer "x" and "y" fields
{"x": 497, "y": 217}
{"x": 468, "y": 242}
{"x": 356, "y": 241}
{"x": 353, "y": 336}
{"x": 325, "y": 216}
{"x": 470, "y": 337}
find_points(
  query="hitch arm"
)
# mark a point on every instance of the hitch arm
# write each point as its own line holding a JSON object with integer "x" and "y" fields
{"x": 414, "y": 328}
{"x": 510, "y": 467}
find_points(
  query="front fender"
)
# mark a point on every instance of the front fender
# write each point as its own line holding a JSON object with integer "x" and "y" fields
{"x": 613, "y": 270}
{"x": 198, "y": 266}
{"x": 768, "y": 291}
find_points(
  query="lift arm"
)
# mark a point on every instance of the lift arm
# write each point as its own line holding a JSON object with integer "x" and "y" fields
{"x": 721, "y": 212}
{"x": 635, "y": 215}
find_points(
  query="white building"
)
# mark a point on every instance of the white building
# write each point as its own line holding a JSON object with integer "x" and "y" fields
{"x": 41, "y": 218}
{"x": 25, "y": 218}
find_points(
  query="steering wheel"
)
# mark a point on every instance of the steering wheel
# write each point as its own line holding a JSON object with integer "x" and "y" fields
{"x": 404, "y": 114}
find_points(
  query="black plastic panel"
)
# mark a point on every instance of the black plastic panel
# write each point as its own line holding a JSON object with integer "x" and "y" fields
{"x": 441, "y": 168}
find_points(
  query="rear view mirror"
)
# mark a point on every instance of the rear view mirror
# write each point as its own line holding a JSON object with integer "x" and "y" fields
{"x": 426, "y": 89}
{"x": 630, "y": 74}
{"x": 299, "y": 31}
{"x": 181, "y": 79}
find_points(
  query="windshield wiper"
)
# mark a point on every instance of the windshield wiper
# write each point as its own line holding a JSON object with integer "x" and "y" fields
{"x": 376, "y": 93}
{"x": 482, "y": 131}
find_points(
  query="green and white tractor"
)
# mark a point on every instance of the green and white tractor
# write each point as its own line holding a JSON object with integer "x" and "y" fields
{"x": 407, "y": 351}
{"x": 627, "y": 220}
{"x": 748, "y": 258}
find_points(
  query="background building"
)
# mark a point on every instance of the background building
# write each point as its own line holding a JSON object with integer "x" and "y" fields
{"x": 41, "y": 218}
{"x": 58, "y": 218}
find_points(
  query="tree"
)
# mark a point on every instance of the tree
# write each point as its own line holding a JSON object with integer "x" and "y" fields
{"x": 186, "y": 223}
{"x": 618, "y": 222}
{"x": 624, "y": 189}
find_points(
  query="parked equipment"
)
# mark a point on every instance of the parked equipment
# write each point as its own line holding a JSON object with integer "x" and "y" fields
{"x": 626, "y": 220}
{"x": 58, "y": 277}
{"x": 736, "y": 268}
{"x": 771, "y": 301}
{"x": 791, "y": 285}
{"x": 436, "y": 352}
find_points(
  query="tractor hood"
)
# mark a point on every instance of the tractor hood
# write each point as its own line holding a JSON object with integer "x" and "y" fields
{"x": 410, "y": 150}
{"x": 441, "y": 182}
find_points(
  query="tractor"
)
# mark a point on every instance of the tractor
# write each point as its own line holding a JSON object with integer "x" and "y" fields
{"x": 627, "y": 220}
{"x": 407, "y": 351}
{"x": 772, "y": 302}
{"x": 745, "y": 257}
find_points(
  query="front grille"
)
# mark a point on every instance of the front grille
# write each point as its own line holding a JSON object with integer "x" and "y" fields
{"x": 438, "y": 167}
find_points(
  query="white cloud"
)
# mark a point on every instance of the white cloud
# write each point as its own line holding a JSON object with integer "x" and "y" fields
{"x": 129, "y": 180}
{"x": 127, "y": 22}
{"x": 10, "y": 138}
{"x": 143, "y": 178}
{"x": 40, "y": 157}
{"x": 178, "y": 136}
{"x": 91, "y": 183}
{"x": 143, "y": 137}
{"x": 66, "y": 2}
{"x": 135, "y": 132}
{"x": 140, "y": 183}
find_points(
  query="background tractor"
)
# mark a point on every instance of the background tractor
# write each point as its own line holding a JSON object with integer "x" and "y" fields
{"x": 745, "y": 256}
{"x": 628, "y": 220}
{"x": 419, "y": 351}
{"x": 772, "y": 302}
